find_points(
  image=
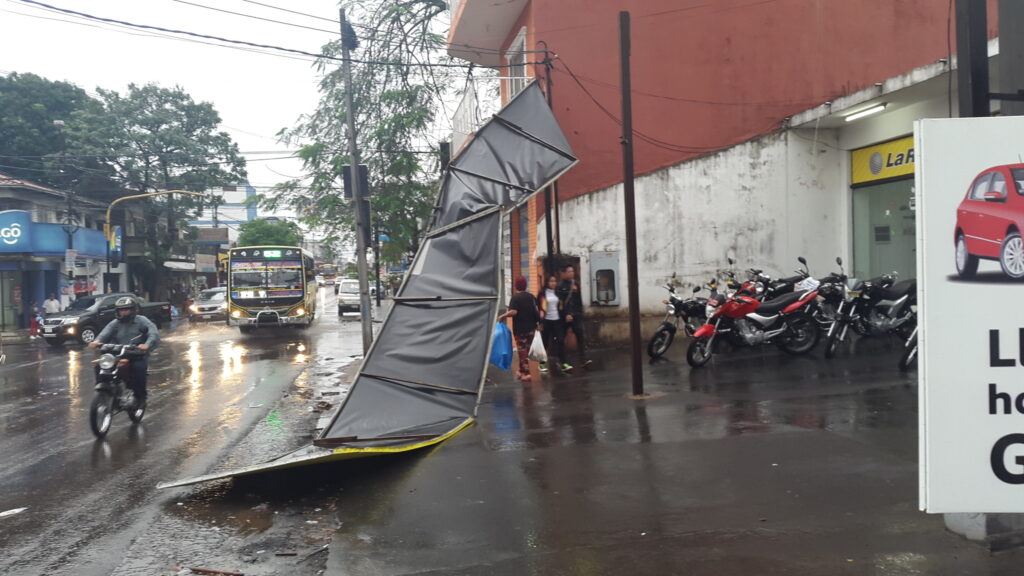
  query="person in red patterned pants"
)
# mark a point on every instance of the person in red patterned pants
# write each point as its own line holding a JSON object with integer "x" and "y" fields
{"x": 522, "y": 308}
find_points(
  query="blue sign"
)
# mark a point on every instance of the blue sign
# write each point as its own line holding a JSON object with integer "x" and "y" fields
{"x": 15, "y": 227}
{"x": 116, "y": 249}
{"x": 18, "y": 233}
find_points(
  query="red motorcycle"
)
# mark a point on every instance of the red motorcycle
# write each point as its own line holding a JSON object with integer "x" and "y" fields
{"x": 787, "y": 321}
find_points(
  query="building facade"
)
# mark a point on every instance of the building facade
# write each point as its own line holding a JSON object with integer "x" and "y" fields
{"x": 36, "y": 236}
{"x": 742, "y": 144}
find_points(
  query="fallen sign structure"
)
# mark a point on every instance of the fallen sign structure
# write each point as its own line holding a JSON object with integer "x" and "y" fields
{"x": 421, "y": 380}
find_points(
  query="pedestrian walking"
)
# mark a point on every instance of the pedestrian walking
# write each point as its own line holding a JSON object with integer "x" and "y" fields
{"x": 552, "y": 328}
{"x": 525, "y": 314}
{"x": 572, "y": 311}
{"x": 51, "y": 305}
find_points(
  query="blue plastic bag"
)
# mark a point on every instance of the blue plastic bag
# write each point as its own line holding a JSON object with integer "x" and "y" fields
{"x": 501, "y": 347}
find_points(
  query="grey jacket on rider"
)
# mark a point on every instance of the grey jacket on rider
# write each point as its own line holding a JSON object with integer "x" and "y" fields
{"x": 118, "y": 332}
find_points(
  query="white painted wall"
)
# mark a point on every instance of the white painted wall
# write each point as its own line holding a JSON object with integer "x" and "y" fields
{"x": 763, "y": 202}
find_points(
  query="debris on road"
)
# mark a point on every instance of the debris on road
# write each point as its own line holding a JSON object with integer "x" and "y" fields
{"x": 12, "y": 512}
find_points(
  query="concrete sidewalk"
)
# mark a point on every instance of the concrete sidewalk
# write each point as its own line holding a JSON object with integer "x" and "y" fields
{"x": 760, "y": 463}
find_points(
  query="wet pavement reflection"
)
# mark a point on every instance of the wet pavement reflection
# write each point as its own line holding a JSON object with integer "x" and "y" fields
{"x": 87, "y": 500}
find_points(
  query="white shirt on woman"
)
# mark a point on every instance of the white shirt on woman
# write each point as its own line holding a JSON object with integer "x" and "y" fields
{"x": 552, "y": 309}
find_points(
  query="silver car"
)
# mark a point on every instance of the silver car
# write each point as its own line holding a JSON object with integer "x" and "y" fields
{"x": 209, "y": 305}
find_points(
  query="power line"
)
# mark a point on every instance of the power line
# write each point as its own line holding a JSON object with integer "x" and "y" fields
{"x": 291, "y": 11}
{"x": 649, "y": 139}
{"x": 116, "y": 28}
{"x": 244, "y": 15}
{"x": 251, "y": 44}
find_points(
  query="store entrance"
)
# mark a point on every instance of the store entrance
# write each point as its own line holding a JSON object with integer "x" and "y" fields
{"x": 11, "y": 294}
{"x": 884, "y": 233}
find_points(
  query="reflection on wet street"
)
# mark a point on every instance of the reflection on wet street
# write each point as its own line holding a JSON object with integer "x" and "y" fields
{"x": 86, "y": 499}
{"x": 760, "y": 463}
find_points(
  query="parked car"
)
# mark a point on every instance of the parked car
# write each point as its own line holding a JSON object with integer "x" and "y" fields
{"x": 211, "y": 304}
{"x": 86, "y": 317}
{"x": 989, "y": 222}
{"x": 348, "y": 296}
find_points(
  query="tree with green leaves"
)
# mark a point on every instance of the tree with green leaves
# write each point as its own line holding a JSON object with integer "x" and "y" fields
{"x": 264, "y": 232}
{"x": 396, "y": 96}
{"x": 153, "y": 139}
{"x": 35, "y": 116}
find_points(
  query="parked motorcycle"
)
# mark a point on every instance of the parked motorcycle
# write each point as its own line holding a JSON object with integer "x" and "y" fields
{"x": 112, "y": 392}
{"x": 786, "y": 321}
{"x": 689, "y": 313}
{"x": 909, "y": 357}
{"x": 874, "y": 307}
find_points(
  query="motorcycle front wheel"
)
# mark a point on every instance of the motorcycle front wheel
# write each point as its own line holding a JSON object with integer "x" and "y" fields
{"x": 803, "y": 334}
{"x": 834, "y": 339}
{"x": 660, "y": 343}
{"x": 909, "y": 357}
{"x": 699, "y": 352}
{"x": 101, "y": 413}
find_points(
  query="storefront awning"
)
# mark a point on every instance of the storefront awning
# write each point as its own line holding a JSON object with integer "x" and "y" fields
{"x": 181, "y": 266}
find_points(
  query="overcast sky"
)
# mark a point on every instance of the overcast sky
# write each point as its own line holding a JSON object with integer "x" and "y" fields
{"x": 256, "y": 92}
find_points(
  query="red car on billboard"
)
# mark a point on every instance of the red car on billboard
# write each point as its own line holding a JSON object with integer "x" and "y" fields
{"x": 989, "y": 222}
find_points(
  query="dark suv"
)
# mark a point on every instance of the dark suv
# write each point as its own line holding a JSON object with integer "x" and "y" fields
{"x": 86, "y": 317}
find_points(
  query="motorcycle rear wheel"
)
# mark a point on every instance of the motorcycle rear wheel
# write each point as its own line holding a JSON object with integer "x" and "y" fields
{"x": 101, "y": 413}
{"x": 804, "y": 334}
{"x": 660, "y": 343}
{"x": 699, "y": 352}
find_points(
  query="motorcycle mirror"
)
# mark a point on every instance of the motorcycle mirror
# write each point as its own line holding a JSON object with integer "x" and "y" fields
{"x": 731, "y": 261}
{"x": 802, "y": 260}
{"x": 839, "y": 260}
{"x": 696, "y": 289}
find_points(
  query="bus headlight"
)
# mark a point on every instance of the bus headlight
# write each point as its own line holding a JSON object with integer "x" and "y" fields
{"x": 235, "y": 314}
{"x": 300, "y": 311}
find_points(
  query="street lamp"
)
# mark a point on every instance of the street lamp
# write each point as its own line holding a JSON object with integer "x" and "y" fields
{"x": 69, "y": 226}
{"x": 106, "y": 223}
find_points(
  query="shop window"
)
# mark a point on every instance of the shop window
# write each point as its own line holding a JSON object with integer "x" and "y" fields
{"x": 883, "y": 234}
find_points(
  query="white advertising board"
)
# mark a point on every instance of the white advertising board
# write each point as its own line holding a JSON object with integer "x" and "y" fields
{"x": 970, "y": 205}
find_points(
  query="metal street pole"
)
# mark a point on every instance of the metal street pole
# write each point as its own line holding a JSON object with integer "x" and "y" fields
{"x": 106, "y": 222}
{"x": 350, "y": 42}
{"x": 632, "y": 276}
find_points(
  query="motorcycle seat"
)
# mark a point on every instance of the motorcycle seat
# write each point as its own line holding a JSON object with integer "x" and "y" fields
{"x": 899, "y": 290}
{"x": 776, "y": 305}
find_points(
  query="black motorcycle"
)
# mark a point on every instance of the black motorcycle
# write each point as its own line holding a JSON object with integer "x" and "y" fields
{"x": 689, "y": 313}
{"x": 112, "y": 392}
{"x": 874, "y": 307}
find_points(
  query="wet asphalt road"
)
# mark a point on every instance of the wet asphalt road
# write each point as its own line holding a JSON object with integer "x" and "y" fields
{"x": 87, "y": 500}
{"x": 761, "y": 463}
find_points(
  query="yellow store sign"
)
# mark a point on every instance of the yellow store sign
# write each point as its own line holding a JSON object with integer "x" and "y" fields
{"x": 882, "y": 161}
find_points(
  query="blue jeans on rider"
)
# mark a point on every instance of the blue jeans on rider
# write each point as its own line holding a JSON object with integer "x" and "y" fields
{"x": 138, "y": 372}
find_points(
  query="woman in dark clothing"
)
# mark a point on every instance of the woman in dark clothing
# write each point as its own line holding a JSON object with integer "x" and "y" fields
{"x": 522, "y": 307}
{"x": 552, "y": 327}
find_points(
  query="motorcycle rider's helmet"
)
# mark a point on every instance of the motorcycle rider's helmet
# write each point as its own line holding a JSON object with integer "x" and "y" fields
{"x": 126, "y": 303}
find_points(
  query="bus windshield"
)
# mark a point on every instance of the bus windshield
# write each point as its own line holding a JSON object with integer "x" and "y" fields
{"x": 266, "y": 279}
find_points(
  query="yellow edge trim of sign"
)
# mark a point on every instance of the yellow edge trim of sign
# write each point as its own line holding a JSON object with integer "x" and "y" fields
{"x": 396, "y": 449}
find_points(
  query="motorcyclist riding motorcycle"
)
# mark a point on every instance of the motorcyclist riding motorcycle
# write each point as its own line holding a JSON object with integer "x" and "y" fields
{"x": 127, "y": 329}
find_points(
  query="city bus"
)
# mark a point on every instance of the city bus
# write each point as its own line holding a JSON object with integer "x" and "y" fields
{"x": 270, "y": 286}
{"x": 329, "y": 272}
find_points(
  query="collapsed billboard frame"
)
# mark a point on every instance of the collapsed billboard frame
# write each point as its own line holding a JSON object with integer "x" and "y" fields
{"x": 421, "y": 379}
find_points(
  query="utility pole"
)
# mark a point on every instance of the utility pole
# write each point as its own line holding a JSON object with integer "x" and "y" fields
{"x": 350, "y": 42}
{"x": 632, "y": 276}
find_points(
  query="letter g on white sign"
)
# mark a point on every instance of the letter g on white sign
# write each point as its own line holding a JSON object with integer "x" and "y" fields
{"x": 11, "y": 234}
